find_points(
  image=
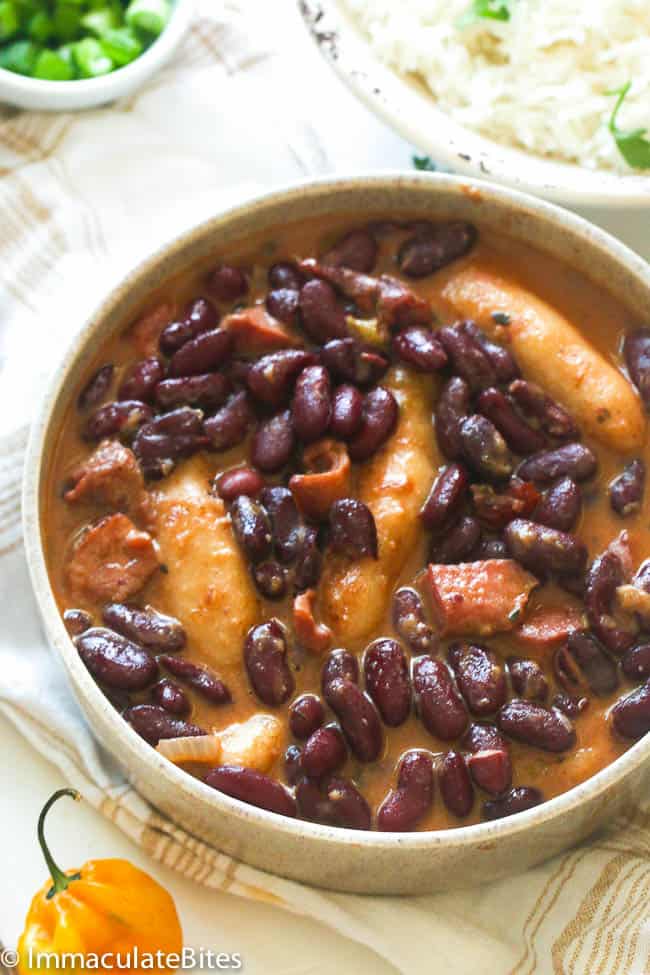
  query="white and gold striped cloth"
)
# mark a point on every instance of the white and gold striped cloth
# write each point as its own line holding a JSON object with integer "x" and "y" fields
{"x": 82, "y": 197}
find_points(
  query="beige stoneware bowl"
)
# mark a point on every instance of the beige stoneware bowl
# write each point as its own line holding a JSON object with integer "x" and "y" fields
{"x": 339, "y": 858}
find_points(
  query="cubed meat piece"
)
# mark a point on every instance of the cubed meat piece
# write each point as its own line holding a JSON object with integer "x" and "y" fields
{"x": 479, "y": 598}
{"x": 548, "y": 627}
{"x": 255, "y": 743}
{"x": 110, "y": 476}
{"x": 256, "y": 331}
{"x": 111, "y": 562}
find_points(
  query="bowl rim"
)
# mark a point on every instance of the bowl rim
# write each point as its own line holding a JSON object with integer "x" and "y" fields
{"x": 399, "y": 102}
{"x": 581, "y": 231}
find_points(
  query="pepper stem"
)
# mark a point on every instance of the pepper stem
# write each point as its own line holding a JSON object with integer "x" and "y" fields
{"x": 60, "y": 880}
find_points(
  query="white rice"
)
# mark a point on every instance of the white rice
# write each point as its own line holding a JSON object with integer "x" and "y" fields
{"x": 537, "y": 81}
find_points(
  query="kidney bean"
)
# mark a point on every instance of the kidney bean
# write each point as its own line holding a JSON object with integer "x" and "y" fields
{"x": 516, "y": 801}
{"x": 479, "y": 676}
{"x": 484, "y": 448}
{"x": 405, "y": 806}
{"x": 229, "y": 426}
{"x": 636, "y": 349}
{"x": 440, "y": 707}
{"x": 458, "y": 544}
{"x": 114, "y": 660}
{"x": 518, "y": 435}
{"x": 491, "y": 548}
{"x": 491, "y": 768}
{"x": 140, "y": 380}
{"x": 306, "y": 714}
{"x": 153, "y": 724}
{"x": 448, "y": 493}
{"x": 288, "y": 527}
{"x": 352, "y": 529}
{"x": 583, "y": 660}
{"x": 171, "y": 697}
{"x": 535, "y": 725}
{"x": 272, "y": 377}
{"x": 271, "y": 579}
{"x": 357, "y": 250}
{"x": 209, "y": 390}
{"x": 569, "y": 704}
{"x": 323, "y": 753}
{"x": 378, "y": 422}
{"x": 410, "y": 622}
{"x": 123, "y": 417}
{"x": 387, "y": 680}
{"x": 283, "y": 304}
{"x": 544, "y": 550}
{"x": 252, "y": 527}
{"x": 626, "y": 490}
{"x": 240, "y": 480}
{"x": 227, "y": 283}
{"x": 453, "y": 407}
{"x": 148, "y": 627}
{"x": 309, "y": 562}
{"x": 336, "y": 801}
{"x": 348, "y": 360}
{"x": 455, "y": 784}
{"x": 311, "y": 408}
{"x": 552, "y": 418}
{"x": 96, "y": 388}
{"x": 528, "y": 680}
{"x": 284, "y": 275}
{"x": 273, "y": 443}
{"x": 560, "y": 506}
{"x": 347, "y": 412}
{"x": 202, "y": 354}
{"x": 466, "y": 356}
{"x": 200, "y": 679}
{"x": 200, "y": 316}
{"x": 359, "y": 719}
{"x": 292, "y": 768}
{"x": 77, "y": 621}
{"x": 418, "y": 348}
{"x": 501, "y": 359}
{"x": 631, "y": 713}
{"x": 604, "y": 577}
{"x": 572, "y": 460}
{"x": 432, "y": 249}
{"x": 265, "y": 657}
{"x": 340, "y": 665}
{"x": 322, "y": 313}
{"x": 635, "y": 662}
{"x": 483, "y": 737}
{"x": 166, "y": 439}
{"x": 253, "y": 787}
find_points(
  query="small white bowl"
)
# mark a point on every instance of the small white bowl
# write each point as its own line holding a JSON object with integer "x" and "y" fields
{"x": 65, "y": 96}
{"x": 410, "y": 109}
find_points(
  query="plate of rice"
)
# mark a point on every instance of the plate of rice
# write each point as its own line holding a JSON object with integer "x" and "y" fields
{"x": 548, "y": 96}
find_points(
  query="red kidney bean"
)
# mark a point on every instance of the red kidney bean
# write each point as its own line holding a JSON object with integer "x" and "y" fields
{"x": 560, "y": 506}
{"x": 636, "y": 349}
{"x": 323, "y": 753}
{"x": 400, "y": 307}
{"x": 96, "y": 388}
{"x": 171, "y": 697}
{"x": 229, "y": 426}
{"x": 337, "y": 802}
{"x": 203, "y": 354}
{"x": 491, "y": 768}
{"x": 271, "y": 579}
{"x": 252, "y": 527}
{"x": 253, "y": 787}
{"x": 604, "y": 577}
{"x": 347, "y": 412}
{"x": 497, "y": 509}
{"x": 583, "y": 661}
{"x": 265, "y": 656}
{"x": 77, "y": 621}
{"x": 405, "y": 805}
{"x": 466, "y": 356}
{"x": 483, "y": 737}
{"x": 479, "y": 676}
{"x": 273, "y": 443}
{"x": 123, "y": 417}
{"x": 271, "y": 378}
{"x": 552, "y": 418}
{"x": 516, "y": 801}
{"x": 357, "y": 250}
{"x": 166, "y": 439}
{"x": 378, "y": 422}
{"x": 453, "y": 407}
{"x": 140, "y": 380}
{"x": 626, "y": 490}
{"x": 153, "y": 724}
{"x": 433, "y": 248}
{"x": 201, "y": 679}
{"x": 387, "y": 680}
{"x": 288, "y": 526}
{"x": 352, "y": 529}
{"x": 148, "y": 627}
{"x": 285, "y": 275}
{"x": 484, "y": 448}
{"x": 439, "y": 704}
{"x": 227, "y": 283}
{"x": 283, "y": 304}
{"x": 410, "y": 622}
{"x": 359, "y": 719}
{"x": 455, "y": 784}
{"x": 311, "y": 408}
{"x": 635, "y": 662}
{"x": 631, "y": 714}
{"x": 518, "y": 435}
{"x": 536, "y": 725}
{"x": 501, "y": 359}
{"x": 116, "y": 661}
{"x": 418, "y": 348}
{"x": 209, "y": 390}
{"x": 292, "y": 769}
{"x": 306, "y": 714}
{"x": 572, "y": 460}
{"x": 458, "y": 544}
{"x": 569, "y": 704}
{"x": 323, "y": 314}
{"x": 528, "y": 680}
{"x": 491, "y": 548}
{"x": 309, "y": 562}
{"x": 446, "y": 497}
{"x": 544, "y": 550}
{"x": 240, "y": 480}
{"x": 200, "y": 316}
{"x": 340, "y": 665}
{"x": 350, "y": 361}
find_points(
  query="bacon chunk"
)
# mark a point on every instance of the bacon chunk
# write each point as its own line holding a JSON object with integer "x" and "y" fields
{"x": 547, "y": 627}
{"x": 479, "y": 598}
{"x": 256, "y": 331}
{"x": 110, "y": 476}
{"x": 111, "y": 562}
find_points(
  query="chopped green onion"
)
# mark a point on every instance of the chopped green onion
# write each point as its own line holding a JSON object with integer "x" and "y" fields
{"x": 633, "y": 144}
{"x": 486, "y": 9}
{"x": 40, "y": 27}
{"x": 99, "y": 21}
{"x": 121, "y": 45}
{"x": 50, "y": 66}
{"x": 90, "y": 59}
{"x": 67, "y": 21}
{"x": 20, "y": 56}
{"x": 150, "y": 16}
{"x": 424, "y": 164}
{"x": 9, "y": 20}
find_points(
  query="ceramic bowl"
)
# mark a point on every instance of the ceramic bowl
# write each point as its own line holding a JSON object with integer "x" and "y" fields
{"x": 338, "y": 858}
{"x": 410, "y": 109}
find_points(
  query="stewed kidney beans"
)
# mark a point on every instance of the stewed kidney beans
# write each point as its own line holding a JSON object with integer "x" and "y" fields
{"x": 335, "y": 512}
